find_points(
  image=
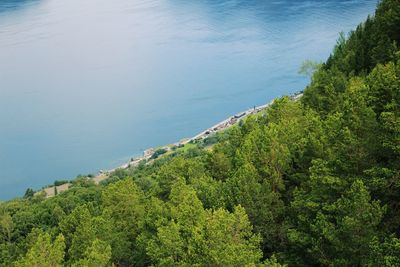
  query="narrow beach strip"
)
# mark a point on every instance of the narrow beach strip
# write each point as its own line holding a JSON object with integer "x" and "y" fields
{"x": 148, "y": 153}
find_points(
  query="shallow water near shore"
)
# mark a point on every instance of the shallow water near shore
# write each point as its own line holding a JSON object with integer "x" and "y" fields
{"x": 87, "y": 84}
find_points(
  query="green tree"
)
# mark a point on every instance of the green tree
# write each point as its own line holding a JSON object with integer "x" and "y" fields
{"x": 386, "y": 253}
{"x": 308, "y": 67}
{"x": 78, "y": 232}
{"x": 6, "y": 227}
{"x": 29, "y": 193}
{"x": 97, "y": 255}
{"x": 124, "y": 210}
{"x": 230, "y": 240}
{"x": 192, "y": 236}
{"x": 44, "y": 252}
{"x": 333, "y": 228}
{"x": 263, "y": 206}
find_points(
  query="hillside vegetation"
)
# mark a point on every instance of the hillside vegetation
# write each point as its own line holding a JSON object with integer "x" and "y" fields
{"x": 314, "y": 182}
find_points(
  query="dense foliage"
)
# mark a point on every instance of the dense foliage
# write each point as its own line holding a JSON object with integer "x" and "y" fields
{"x": 314, "y": 182}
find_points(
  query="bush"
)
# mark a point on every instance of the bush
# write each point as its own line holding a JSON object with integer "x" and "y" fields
{"x": 158, "y": 153}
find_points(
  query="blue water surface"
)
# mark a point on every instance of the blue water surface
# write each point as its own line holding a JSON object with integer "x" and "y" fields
{"x": 87, "y": 84}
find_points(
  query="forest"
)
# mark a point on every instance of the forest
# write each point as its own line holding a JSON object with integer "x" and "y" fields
{"x": 313, "y": 182}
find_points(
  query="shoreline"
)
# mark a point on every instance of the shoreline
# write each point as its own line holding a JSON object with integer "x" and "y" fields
{"x": 150, "y": 152}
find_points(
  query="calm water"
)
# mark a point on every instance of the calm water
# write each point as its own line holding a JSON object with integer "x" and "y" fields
{"x": 86, "y": 84}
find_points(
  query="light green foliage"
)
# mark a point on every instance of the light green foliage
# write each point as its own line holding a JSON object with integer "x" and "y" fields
{"x": 193, "y": 236}
{"x": 385, "y": 253}
{"x": 384, "y": 97}
{"x": 124, "y": 201}
{"x": 78, "y": 231}
{"x": 334, "y": 228}
{"x": 178, "y": 168}
{"x": 123, "y": 213}
{"x": 219, "y": 164}
{"x": 384, "y": 88}
{"x": 229, "y": 239}
{"x": 83, "y": 181}
{"x": 357, "y": 221}
{"x": 308, "y": 67}
{"x": 268, "y": 154}
{"x": 44, "y": 252}
{"x": 323, "y": 93}
{"x": 6, "y": 227}
{"x": 209, "y": 191}
{"x": 185, "y": 207}
{"x": 97, "y": 255}
{"x": 176, "y": 238}
{"x": 391, "y": 125}
{"x": 272, "y": 262}
{"x": 263, "y": 206}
